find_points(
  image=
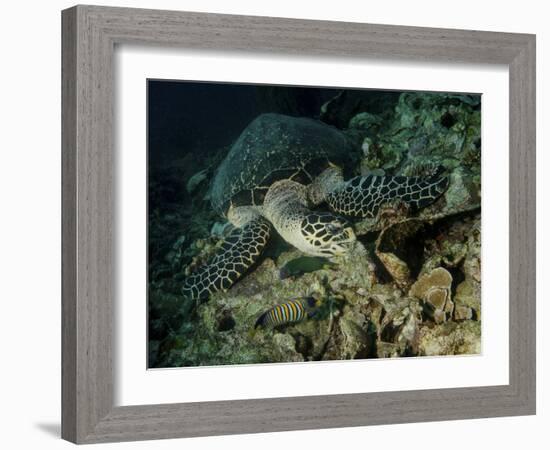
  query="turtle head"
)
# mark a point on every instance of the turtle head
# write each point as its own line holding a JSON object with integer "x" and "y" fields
{"x": 328, "y": 181}
{"x": 325, "y": 234}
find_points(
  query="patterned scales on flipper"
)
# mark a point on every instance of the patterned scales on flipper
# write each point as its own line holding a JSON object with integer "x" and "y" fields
{"x": 363, "y": 196}
{"x": 237, "y": 254}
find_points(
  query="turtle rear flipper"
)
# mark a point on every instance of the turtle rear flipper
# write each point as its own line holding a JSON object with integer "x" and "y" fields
{"x": 240, "y": 250}
{"x": 363, "y": 196}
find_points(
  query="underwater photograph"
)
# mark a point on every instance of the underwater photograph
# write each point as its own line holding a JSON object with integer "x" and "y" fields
{"x": 297, "y": 224}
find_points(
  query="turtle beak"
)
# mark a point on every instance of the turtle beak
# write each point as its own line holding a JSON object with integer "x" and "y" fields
{"x": 346, "y": 237}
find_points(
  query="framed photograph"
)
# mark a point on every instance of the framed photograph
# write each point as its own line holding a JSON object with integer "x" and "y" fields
{"x": 278, "y": 224}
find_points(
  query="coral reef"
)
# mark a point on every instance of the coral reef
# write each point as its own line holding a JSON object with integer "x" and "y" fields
{"x": 410, "y": 286}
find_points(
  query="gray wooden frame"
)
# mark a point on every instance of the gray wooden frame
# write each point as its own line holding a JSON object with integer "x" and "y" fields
{"x": 89, "y": 36}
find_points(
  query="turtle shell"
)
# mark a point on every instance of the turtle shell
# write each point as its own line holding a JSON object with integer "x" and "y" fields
{"x": 275, "y": 147}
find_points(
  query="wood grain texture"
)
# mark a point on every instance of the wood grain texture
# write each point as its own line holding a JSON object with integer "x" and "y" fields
{"x": 89, "y": 36}
{"x": 68, "y": 225}
{"x": 522, "y": 282}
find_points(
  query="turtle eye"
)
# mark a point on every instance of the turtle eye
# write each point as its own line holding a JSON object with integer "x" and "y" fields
{"x": 331, "y": 228}
{"x": 334, "y": 228}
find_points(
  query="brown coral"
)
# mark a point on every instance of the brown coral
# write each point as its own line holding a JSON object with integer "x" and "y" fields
{"x": 434, "y": 289}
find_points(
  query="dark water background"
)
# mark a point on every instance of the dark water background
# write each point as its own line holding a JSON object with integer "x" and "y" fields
{"x": 202, "y": 117}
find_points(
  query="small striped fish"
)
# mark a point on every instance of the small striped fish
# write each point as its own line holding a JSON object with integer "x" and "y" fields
{"x": 289, "y": 312}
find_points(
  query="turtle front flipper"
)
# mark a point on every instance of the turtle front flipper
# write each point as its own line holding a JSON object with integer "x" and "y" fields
{"x": 240, "y": 250}
{"x": 363, "y": 196}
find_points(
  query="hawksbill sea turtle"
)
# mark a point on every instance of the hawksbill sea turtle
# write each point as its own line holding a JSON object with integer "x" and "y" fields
{"x": 276, "y": 175}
